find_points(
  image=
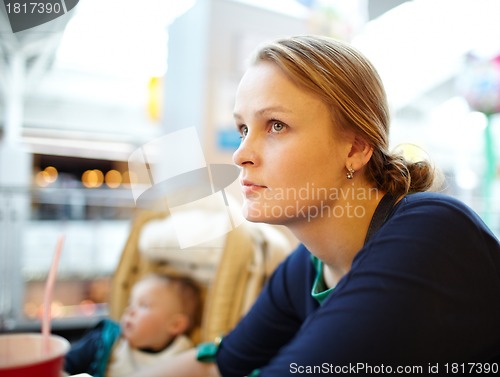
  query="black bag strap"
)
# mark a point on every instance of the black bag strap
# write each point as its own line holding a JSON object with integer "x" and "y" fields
{"x": 382, "y": 211}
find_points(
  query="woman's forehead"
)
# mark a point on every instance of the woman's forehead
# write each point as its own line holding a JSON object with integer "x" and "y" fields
{"x": 264, "y": 85}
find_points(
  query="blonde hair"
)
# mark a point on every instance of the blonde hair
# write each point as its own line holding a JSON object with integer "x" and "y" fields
{"x": 350, "y": 86}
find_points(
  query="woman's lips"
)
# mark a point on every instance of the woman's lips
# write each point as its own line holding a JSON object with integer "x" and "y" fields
{"x": 249, "y": 187}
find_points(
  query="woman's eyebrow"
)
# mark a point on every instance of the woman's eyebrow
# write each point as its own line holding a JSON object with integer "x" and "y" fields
{"x": 270, "y": 109}
{"x": 274, "y": 109}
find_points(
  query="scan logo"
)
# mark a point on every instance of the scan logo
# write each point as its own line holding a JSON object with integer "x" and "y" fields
{"x": 182, "y": 181}
{"x": 27, "y": 14}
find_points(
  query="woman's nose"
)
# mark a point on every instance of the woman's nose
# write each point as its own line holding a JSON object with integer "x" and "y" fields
{"x": 246, "y": 154}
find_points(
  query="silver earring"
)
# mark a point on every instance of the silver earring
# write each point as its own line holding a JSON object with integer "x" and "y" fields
{"x": 350, "y": 173}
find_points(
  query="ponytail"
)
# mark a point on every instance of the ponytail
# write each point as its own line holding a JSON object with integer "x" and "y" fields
{"x": 396, "y": 175}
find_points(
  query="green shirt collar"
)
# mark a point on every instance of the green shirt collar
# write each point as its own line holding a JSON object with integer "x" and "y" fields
{"x": 319, "y": 291}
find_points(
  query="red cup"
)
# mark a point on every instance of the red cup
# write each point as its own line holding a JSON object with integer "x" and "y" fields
{"x": 23, "y": 355}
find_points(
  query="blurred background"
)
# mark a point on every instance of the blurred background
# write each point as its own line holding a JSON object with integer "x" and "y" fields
{"x": 80, "y": 93}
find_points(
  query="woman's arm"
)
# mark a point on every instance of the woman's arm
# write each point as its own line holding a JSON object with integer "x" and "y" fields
{"x": 271, "y": 323}
{"x": 182, "y": 365}
{"x": 273, "y": 320}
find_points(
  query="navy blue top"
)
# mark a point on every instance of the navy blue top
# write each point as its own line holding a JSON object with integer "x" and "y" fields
{"x": 424, "y": 289}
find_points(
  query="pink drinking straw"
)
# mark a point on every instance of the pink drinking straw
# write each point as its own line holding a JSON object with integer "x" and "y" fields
{"x": 47, "y": 297}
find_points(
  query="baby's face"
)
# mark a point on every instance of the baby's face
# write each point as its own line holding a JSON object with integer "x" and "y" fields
{"x": 152, "y": 316}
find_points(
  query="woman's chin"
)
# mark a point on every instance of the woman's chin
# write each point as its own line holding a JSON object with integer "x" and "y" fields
{"x": 258, "y": 214}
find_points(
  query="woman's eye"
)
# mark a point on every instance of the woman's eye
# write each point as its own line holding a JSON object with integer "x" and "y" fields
{"x": 243, "y": 131}
{"x": 277, "y": 127}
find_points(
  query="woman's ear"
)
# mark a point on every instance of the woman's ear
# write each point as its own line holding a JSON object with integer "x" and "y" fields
{"x": 360, "y": 153}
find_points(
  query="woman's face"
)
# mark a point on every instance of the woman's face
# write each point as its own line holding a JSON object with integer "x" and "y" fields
{"x": 293, "y": 164}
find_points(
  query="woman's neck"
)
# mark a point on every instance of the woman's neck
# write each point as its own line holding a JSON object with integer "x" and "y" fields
{"x": 337, "y": 239}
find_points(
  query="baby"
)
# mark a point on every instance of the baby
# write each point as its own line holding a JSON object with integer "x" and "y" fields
{"x": 161, "y": 311}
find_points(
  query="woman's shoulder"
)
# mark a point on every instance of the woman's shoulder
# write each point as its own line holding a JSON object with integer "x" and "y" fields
{"x": 429, "y": 209}
{"x": 428, "y": 224}
{"x": 292, "y": 281}
{"x": 432, "y": 199}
